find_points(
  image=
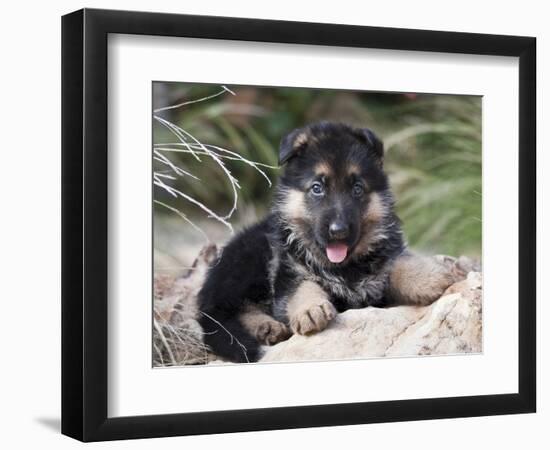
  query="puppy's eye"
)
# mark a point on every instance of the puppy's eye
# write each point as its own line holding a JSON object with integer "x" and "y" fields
{"x": 317, "y": 188}
{"x": 358, "y": 190}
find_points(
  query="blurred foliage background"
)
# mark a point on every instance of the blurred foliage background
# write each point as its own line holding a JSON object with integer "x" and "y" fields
{"x": 432, "y": 144}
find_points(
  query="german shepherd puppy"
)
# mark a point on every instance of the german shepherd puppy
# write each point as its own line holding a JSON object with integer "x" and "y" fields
{"x": 331, "y": 242}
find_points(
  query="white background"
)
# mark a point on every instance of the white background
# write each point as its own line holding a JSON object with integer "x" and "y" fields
{"x": 30, "y": 111}
{"x": 135, "y": 389}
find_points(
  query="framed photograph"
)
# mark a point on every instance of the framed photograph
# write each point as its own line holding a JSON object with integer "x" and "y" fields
{"x": 267, "y": 224}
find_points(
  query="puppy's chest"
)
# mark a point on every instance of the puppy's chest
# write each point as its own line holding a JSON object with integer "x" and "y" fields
{"x": 353, "y": 294}
{"x": 356, "y": 290}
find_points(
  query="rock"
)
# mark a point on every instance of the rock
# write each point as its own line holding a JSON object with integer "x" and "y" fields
{"x": 176, "y": 296}
{"x": 177, "y": 335}
{"x": 450, "y": 325}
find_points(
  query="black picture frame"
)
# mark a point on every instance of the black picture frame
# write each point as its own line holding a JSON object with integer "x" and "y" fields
{"x": 84, "y": 224}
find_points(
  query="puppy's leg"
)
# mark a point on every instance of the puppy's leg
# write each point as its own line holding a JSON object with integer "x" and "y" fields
{"x": 240, "y": 273}
{"x": 309, "y": 309}
{"x": 262, "y": 326}
{"x": 420, "y": 280}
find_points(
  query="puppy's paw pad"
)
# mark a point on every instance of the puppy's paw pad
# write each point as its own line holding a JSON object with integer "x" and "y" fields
{"x": 272, "y": 332}
{"x": 313, "y": 319}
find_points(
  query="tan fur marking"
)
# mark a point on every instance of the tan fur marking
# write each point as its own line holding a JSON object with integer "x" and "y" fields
{"x": 323, "y": 168}
{"x": 354, "y": 169}
{"x": 309, "y": 309}
{"x": 377, "y": 210}
{"x": 372, "y": 233}
{"x": 419, "y": 280}
{"x": 300, "y": 140}
{"x": 293, "y": 206}
{"x": 262, "y": 326}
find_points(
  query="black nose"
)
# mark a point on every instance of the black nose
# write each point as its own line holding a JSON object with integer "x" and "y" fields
{"x": 338, "y": 230}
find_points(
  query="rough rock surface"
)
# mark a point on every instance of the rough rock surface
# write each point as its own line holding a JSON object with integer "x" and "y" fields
{"x": 177, "y": 335}
{"x": 451, "y": 325}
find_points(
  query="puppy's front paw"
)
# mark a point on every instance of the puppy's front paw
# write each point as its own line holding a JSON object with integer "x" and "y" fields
{"x": 271, "y": 332}
{"x": 420, "y": 280}
{"x": 312, "y": 318}
{"x": 435, "y": 286}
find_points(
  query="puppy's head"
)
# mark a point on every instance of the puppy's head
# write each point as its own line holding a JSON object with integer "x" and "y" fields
{"x": 333, "y": 191}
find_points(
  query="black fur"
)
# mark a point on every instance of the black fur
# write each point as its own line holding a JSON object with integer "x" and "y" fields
{"x": 267, "y": 262}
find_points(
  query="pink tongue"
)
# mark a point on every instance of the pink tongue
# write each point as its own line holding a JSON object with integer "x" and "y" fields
{"x": 336, "y": 253}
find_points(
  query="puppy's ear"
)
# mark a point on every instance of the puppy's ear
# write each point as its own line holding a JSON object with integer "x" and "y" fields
{"x": 373, "y": 142}
{"x": 292, "y": 144}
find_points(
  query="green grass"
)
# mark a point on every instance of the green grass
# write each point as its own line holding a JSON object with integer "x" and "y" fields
{"x": 433, "y": 152}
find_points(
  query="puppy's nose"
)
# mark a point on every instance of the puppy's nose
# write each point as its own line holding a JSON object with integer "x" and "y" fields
{"x": 338, "y": 230}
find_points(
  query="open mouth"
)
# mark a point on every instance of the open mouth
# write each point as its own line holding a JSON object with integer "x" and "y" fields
{"x": 337, "y": 252}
